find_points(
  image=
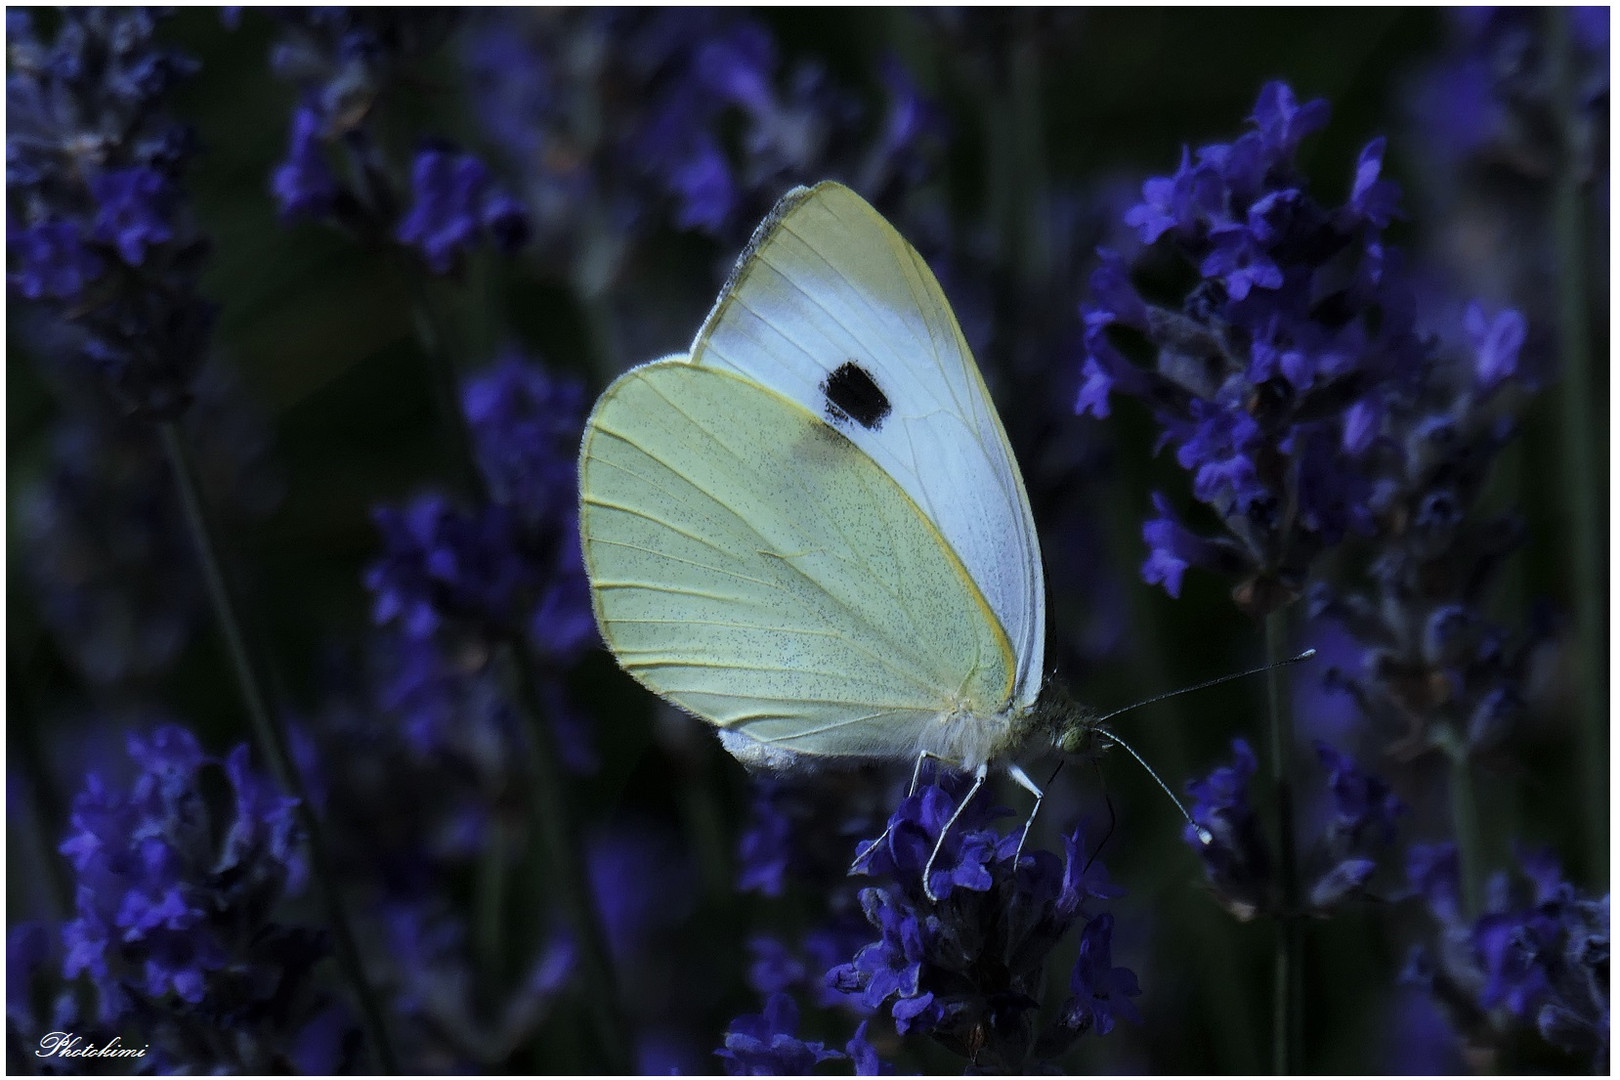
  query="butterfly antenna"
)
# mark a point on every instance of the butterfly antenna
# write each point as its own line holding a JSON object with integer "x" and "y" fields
{"x": 1204, "y": 835}
{"x": 1261, "y": 670}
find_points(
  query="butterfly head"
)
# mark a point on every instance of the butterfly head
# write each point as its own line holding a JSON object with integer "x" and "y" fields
{"x": 1070, "y": 728}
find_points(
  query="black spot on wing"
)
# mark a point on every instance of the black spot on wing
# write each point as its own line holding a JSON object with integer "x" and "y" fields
{"x": 852, "y": 394}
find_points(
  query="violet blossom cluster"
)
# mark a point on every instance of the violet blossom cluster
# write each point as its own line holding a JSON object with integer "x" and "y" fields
{"x": 1514, "y": 97}
{"x": 347, "y": 63}
{"x": 173, "y": 902}
{"x": 511, "y": 567}
{"x": 1355, "y": 842}
{"x": 968, "y": 969}
{"x": 1303, "y": 384}
{"x": 1537, "y": 956}
{"x": 98, "y": 232}
{"x": 605, "y": 167}
{"x": 1267, "y": 376}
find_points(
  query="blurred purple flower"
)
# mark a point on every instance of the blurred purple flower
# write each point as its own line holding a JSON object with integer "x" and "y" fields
{"x": 623, "y": 119}
{"x": 1538, "y": 956}
{"x": 512, "y": 568}
{"x": 303, "y": 184}
{"x": 526, "y": 425}
{"x": 132, "y": 211}
{"x": 100, "y": 535}
{"x": 1497, "y": 342}
{"x": 1501, "y": 111}
{"x": 456, "y": 204}
{"x": 1365, "y": 809}
{"x": 864, "y": 1056}
{"x": 764, "y": 849}
{"x": 441, "y": 563}
{"x": 642, "y": 882}
{"x": 52, "y": 260}
{"x": 767, "y": 1043}
{"x": 93, "y": 162}
{"x": 1236, "y": 860}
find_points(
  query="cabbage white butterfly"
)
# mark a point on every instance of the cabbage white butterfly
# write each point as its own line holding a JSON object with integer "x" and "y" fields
{"x": 809, "y": 529}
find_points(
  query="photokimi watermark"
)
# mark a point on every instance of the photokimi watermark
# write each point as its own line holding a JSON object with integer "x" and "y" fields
{"x": 65, "y": 1044}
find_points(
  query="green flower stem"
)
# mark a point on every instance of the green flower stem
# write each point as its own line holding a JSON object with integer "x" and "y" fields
{"x": 598, "y": 308}
{"x": 1233, "y": 1015}
{"x": 44, "y": 811}
{"x": 1584, "y": 484}
{"x": 1465, "y": 822}
{"x": 272, "y": 741}
{"x": 1287, "y": 1006}
{"x": 440, "y": 373}
{"x": 558, "y": 849}
{"x": 490, "y": 943}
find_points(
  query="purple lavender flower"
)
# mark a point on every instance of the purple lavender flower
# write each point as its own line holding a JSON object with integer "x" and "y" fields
{"x": 1236, "y": 860}
{"x": 346, "y": 61}
{"x": 132, "y": 211}
{"x": 764, "y": 848}
{"x": 1538, "y": 956}
{"x": 456, "y": 203}
{"x": 1364, "y": 807}
{"x": 626, "y": 119}
{"x": 767, "y": 1043}
{"x": 303, "y": 184}
{"x": 864, "y": 1056}
{"x": 1102, "y": 992}
{"x": 800, "y": 832}
{"x": 347, "y": 64}
{"x": 175, "y": 930}
{"x": 1490, "y": 125}
{"x": 1299, "y": 312}
{"x": 512, "y": 568}
{"x": 412, "y": 758}
{"x": 93, "y": 163}
{"x": 1354, "y": 843}
{"x": 968, "y": 969}
{"x": 1434, "y": 670}
{"x": 438, "y": 999}
{"x": 1359, "y": 832}
{"x": 37, "y": 1001}
{"x": 440, "y": 563}
{"x": 53, "y": 261}
{"x": 525, "y": 425}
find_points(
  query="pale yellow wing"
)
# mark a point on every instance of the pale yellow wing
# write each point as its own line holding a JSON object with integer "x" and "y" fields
{"x": 752, "y": 565}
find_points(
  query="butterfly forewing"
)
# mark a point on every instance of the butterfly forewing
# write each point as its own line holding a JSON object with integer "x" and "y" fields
{"x": 831, "y": 308}
{"x": 753, "y": 565}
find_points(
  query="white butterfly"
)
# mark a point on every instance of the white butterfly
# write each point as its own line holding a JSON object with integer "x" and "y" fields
{"x": 810, "y": 530}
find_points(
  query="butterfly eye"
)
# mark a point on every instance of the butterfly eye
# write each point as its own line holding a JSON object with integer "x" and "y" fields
{"x": 852, "y": 394}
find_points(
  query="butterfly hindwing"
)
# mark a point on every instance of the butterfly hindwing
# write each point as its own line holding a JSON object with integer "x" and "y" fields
{"x": 751, "y": 564}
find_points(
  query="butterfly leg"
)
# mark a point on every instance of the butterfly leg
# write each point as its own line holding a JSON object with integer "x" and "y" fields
{"x": 978, "y": 782}
{"x": 1021, "y": 778}
{"x": 916, "y": 777}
